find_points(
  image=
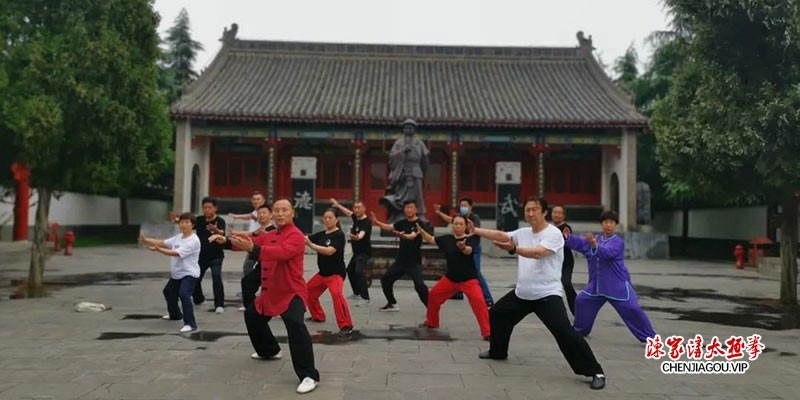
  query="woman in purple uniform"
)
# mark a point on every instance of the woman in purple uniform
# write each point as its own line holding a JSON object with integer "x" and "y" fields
{"x": 609, "y": 280}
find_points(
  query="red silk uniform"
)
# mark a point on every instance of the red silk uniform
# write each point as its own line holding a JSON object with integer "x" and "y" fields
{"x": 280, "y": 253}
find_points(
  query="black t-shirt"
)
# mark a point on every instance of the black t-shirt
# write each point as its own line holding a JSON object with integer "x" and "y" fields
{"x": 409, "y": 252}
{"x": 568, "y": 258}
{"x": 209, "y": 251}
{"x": 332, "y": 264}
{"x": 363, "y": 246}
{"x": 460, "y": 266}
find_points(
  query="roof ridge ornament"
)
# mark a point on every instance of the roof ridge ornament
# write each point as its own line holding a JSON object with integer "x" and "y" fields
{"x": 229, "y": 36}
{"x": 584, "y": 43}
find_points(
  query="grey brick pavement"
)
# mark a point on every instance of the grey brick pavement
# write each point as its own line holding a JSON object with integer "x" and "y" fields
{"x": 49, "y": 351}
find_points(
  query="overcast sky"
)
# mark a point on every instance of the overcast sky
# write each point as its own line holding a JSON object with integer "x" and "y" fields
{"x": 613, "y": 24}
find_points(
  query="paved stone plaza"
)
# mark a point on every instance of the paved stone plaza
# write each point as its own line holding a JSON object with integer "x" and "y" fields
{"x": 47, "y": 350}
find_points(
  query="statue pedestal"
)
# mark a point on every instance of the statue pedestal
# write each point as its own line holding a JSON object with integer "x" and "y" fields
{"x": 384, "y": 252}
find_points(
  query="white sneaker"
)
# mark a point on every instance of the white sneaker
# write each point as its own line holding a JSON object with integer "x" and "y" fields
{"x": 363, "y": 303}
{"x": 242, "y": 308}
{"x": 187, "y": 329}
{"x": 278, "y": 356}
{"x": 166, "y": 317}
{"x": 219, "y": 310}
{"x": 307, "y": 385}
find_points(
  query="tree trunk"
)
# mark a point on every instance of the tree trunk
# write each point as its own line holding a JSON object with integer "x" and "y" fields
{"x": 39, "y": 245}
{"x": 123, "y": 210}
{"x": 789, "y": 252}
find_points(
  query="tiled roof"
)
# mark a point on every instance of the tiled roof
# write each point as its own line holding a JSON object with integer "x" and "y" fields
{"x": 330, "y": 83}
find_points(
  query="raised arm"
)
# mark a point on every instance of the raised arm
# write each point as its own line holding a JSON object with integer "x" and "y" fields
{"x": 425, "y": 235}
{"x": 382, "y": 225}
{"x": 241, "y": 216}
{"x": 324, "y": 250}
{"x": 612, "y": 249}
{"x": 581, "y": 245}
{"x": 346, "y": 211}
{"x": 438, "y": 209}
{"x": 151, "y": 242}
{"x": 491, "y": 234}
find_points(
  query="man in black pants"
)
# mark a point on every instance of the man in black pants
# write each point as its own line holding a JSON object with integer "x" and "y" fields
{"x": 362, "y": 249}
{"x": 251, "y": 281}
{"x": 538, "y": 290}
{"x": 211, "y": 255}
{"x": 559, "y": 215}
{"x": 409, "y": 257}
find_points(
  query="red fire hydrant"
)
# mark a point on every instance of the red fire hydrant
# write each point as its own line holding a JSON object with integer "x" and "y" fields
{"x": 69, "y": 240}
{"x": 738, "y": 252}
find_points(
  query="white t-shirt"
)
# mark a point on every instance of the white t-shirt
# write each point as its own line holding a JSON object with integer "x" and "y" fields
{"x": 254, "y": 225}
{"x": 185, "y": 264}
{"x": 539, "y": 278}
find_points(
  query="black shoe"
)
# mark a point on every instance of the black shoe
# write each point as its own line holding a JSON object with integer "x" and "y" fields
{"x": 311, "y": 319}
{"x": 486, "y": 338}
{"x": 598, "y": 382}
{"x": 346, "y": 331}
{"x": 486, "y": 355}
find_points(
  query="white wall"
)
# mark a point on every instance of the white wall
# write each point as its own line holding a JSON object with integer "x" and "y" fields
{"x": 739, "y": 223}
{"x": 186, "y": 158}
{"x": 82, "y": 209}
{"x": 613, "y": 162}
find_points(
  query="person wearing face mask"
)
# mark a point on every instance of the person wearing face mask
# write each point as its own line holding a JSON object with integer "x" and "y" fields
{"x": 461, "y": 275}
{"x": 329, "y": 245}
{"x": 465, "y": 209}
{"x": 609, "y": 280}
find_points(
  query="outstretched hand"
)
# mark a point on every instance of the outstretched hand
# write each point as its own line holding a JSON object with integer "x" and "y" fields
{"x": 591, "y": 239}
{"x": 566, "y": 232}
{"x": 217, "y": 238}
{"x": 507, "y": 245}
{"x": 242, "y": 242}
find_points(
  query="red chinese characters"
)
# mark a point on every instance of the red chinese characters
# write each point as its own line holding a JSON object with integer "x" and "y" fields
{"x": 653, "y": 350}
{"x": 675, "y": 344}
{"x": 714, "y": 349}
{"x": 694, "y": 348}
{"x": 754, "y": 346}
{"x": 735, "y": 347}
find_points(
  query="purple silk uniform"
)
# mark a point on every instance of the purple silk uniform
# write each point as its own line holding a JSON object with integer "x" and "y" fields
{"x": 609, "y": 280}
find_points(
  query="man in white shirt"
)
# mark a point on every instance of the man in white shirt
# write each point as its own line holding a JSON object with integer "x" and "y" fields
{"x": 541, "y": 252}
{"x": 184, "y": 250}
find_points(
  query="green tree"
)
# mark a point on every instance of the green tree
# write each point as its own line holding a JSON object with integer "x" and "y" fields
{"x": 728, "y": 130}
{"x": 82, "y": 107}
{"x": 179, "y": 55}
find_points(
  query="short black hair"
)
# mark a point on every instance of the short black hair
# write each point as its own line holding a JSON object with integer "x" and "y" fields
{"x": 289, "y": 199}
{"x": 187, "y": 216}
{"x": 467, "y": 199}
{"x": 209, "y": 200}
{"x": 608, "y": 214}
{"x": 265, "y": 206}
{"x": 407, "y": 202}
{"x": 536, "y": 199}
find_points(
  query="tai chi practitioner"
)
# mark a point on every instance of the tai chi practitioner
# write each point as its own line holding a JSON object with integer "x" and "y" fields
{"x": 462, "y": 275}
{"x": 541, "y": 251}
{"x": 329, "y": 245}
{"x": 609, "y": 281}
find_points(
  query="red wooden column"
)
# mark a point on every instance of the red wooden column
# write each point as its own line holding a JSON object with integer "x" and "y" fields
{"x": 22, "y": 176}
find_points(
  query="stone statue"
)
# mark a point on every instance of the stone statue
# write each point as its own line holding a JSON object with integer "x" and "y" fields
{"x": 229, "y": 36}
{"x": 408, "y": 162}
